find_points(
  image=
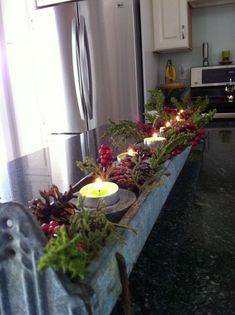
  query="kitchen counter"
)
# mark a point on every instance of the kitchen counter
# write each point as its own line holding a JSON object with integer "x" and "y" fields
{"x": 187, "y": 264}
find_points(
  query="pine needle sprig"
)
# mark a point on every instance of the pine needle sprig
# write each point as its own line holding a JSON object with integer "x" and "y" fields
{"x": 123, "y": 133}
{"x": 90, "y": 166}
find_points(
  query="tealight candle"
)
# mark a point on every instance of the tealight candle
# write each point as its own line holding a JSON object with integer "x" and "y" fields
{"x": 93, "y": 193}
{"x": 161, "y": 130}
{"x": 154, "y": 141}
{"x": 178, "y": 118}
{"x": 168, "y": 124}
{"x": 130, "y": 152}
{"x": 230, "y": 98}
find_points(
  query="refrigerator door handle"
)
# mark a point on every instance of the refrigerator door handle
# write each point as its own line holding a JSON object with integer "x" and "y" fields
{"x": 76, "y": 68}
{"x": 85, "y": 66}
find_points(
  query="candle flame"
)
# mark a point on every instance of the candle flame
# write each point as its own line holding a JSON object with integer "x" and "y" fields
{"x": 130, "y": 152}
{"x": 181, "y": 111}
{"x": 98, "y": 184}
{"x": 155, "y": 135}
{"x": 177, "y": 118}
{"x": 230, "y": 98}
{"x": 168, "y": 124}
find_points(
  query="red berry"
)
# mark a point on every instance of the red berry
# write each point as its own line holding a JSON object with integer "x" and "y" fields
{"x": 52, "y": 226}
{"x": 53, "y": 223}
{"x": 193, "y": 143}
{"x": 101, "y": 151}
{"x": 45, "y": 227}
{"x": 102, "y": 161}
{"x": 201, "y": 131}
{"x": 197, "y": 139}
{"x": 104, "y": 146}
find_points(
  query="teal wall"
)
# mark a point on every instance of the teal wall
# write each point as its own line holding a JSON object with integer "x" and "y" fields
{"x": 215, "y": 25}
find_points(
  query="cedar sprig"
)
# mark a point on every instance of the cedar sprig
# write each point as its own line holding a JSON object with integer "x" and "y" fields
{"x": 61, "y": 253}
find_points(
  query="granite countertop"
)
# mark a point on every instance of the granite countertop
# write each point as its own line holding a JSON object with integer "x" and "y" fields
{"x": 54, "y": 164}
{"x": 187, "y": 264}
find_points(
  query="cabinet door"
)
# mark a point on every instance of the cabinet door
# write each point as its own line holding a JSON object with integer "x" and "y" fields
{"x": 171, "y": 20}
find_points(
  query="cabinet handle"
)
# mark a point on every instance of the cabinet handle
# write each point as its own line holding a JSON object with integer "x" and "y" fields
{"x": 182, "y": 27}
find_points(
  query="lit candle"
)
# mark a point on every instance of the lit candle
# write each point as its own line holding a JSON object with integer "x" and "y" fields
{"x": 95, "y": 192}
{"x": 161, "y": 130}
{"x": 154, "y": 141}
{"x": 168, "y": 124}
{"x": 98, "y": 184}
{"x": 230, "y": 98}
{"x": 178, "y": 118}
{"x": 181, "y": 111}
{"x": 130, "y": 152}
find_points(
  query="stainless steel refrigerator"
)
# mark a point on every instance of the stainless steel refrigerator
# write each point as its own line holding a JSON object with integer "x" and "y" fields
{"x": 89, "y": 66}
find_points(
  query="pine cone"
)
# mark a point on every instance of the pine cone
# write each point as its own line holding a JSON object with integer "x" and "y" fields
{"x": 55, "y": 206}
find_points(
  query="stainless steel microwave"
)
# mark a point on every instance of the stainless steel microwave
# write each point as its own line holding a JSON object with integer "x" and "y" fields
{"x": 212, "y": 75}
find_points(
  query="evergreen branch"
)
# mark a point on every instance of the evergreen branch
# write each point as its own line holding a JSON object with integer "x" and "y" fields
{"x": 162, "y": 153}
{"x": 89, "y": 165}
{"x": 61, "y": 253}
{"x": 202, "y": 120}
{"x": 123, "y": 133}
{"x": 155, "y": 101}
{"x": 77, "y": 244}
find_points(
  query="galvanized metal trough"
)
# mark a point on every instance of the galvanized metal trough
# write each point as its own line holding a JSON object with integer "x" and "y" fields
{"x": 25, "y": 291}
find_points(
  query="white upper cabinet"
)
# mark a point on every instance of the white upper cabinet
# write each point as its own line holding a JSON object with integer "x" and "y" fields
{"x": 207, "y": 3}
{"x": 172, "y": 25}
